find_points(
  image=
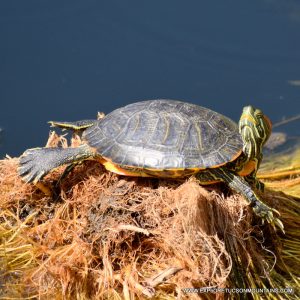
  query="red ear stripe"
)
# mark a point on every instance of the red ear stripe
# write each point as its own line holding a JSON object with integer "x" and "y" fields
{"x": 268, "y": 122}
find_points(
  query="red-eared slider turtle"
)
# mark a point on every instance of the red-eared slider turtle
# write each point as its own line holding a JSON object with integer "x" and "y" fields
{"x": 167, "y": 138}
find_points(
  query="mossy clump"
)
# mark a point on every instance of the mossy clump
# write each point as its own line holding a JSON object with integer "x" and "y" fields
{"x": 105, "y": 236}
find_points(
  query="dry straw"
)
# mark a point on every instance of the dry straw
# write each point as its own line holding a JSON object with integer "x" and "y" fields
{"x": 104, "y": 236}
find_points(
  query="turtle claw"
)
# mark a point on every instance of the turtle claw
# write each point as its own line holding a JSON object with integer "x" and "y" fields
{"x": 276, "y": 211}
{"x": 279, "y": 225}
{"x": 266, "y": 214}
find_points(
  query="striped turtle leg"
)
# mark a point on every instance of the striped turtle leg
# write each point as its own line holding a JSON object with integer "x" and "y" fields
{"x": 76, "y": 125}
{"x": 255, "y": 129}
{"x": 36, "y": 163}
{"x": 240, "y": 185}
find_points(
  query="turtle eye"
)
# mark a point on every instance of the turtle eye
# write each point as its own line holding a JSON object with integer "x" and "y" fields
{"x": 259, "y": 113}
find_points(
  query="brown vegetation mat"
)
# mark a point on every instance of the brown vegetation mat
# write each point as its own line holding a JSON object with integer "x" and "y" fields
{"x": 106, "y": 236}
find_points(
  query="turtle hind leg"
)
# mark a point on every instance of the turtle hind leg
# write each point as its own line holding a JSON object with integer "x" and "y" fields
{"x": 76, "y": 125}
{"x": 240, "y": 185}
{"x": 36, "y": 163}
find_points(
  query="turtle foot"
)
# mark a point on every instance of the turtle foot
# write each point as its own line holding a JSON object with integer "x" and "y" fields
{"x": 33, "y": 164}
{"x": 36, "y": 163}
{"x": 267, "y": 214}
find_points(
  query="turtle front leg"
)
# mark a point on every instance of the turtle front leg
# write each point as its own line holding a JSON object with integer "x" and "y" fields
{"x": 253, "y": 181}
{"x": 240, "y": 185}
{"x": 36, "y": 163}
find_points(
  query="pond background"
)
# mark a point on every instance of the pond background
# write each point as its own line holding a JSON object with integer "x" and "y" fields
{"x": 66, "y": 60}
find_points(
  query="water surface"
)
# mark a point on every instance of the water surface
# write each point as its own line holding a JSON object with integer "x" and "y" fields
{"x": 66, "y": 60}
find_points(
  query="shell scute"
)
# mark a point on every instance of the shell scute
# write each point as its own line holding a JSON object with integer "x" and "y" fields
{"x": 165, "y": 134}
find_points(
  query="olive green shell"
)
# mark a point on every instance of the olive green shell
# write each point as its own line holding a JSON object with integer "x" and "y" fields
{"x": 165, "y": 134}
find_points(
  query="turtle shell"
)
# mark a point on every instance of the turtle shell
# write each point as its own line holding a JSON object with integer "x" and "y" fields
{"x": 165, "y": 134}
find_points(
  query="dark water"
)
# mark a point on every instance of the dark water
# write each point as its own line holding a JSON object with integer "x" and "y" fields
{"x": 66, "y": 60}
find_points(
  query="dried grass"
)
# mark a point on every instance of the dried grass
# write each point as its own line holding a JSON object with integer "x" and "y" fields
{"x": 106, "y": 236}
{"x": 281, "y": 172}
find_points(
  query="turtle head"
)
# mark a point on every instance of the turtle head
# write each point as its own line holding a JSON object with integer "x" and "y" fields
{"x": 255, "y": 129}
